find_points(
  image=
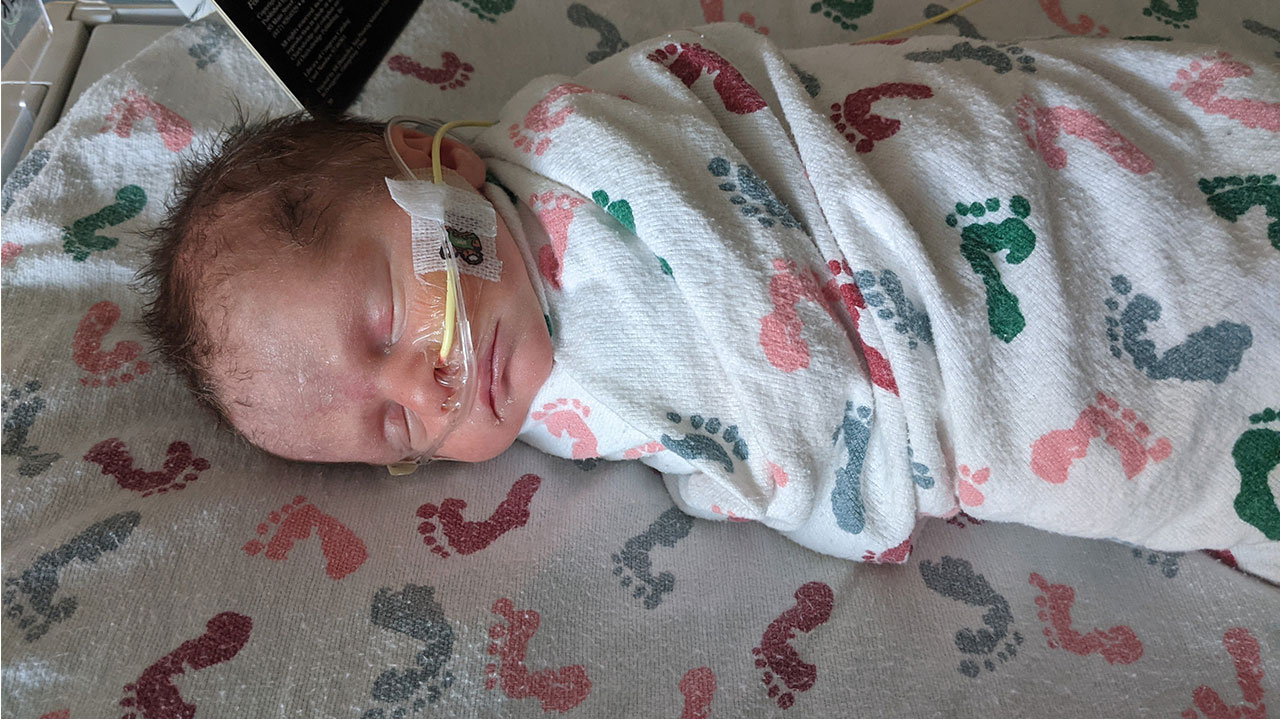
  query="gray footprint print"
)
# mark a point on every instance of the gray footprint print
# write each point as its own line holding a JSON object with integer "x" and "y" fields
{"x": 634, "y": 566}
{"x": 412, "y": 611}
{"x": 29, "y": 598}
{"x": 954, "y": 578}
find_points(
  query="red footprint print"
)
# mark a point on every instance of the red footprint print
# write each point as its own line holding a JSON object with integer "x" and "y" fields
{"x": 114, "y": 457}
{"x": 1082, "y": 26}
{"x": 540, "y": 119}
{"x": 452, "y": 75}
{"x": 1052, "y": 121}
{"x": 713, "y": 11}
{"x": 467, "y": 537}
{"x": 777, "y": 658}
{"x": 687, "y": 61}
{"x": 63, "y": 713}
{"x": 562, "y": 689}
{"x": 698, "y": 686}
{"x": 555, "y": 211}
{"x": 1119, "y": 645}
{"x": 1246, "y": 654}
{"x": 847, "y": 290}
{"x": 86, "y": 349}
{"x": 154, "y": 694}
{"x": 134, "y": 107}
{"x": 854, "y": 117}
{"x": 343, "y": 552}
{"x": 1202, "y": 84}
{"x": 896, "y": 555}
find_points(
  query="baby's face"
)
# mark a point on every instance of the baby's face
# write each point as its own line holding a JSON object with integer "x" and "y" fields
{"x": 311, "y": 373}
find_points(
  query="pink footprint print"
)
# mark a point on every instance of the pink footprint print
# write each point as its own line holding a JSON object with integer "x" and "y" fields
{"x": 643, "y": 450}
{"x": 343, "y": 551}
{"x": 86, "y": 349}
{"x": 452, "y": 75}
{"x": 896, "y": 555}
{"x": 1051, "y": 121}
{"x": 466, "y": 537}
{"x": 687, "y": 61}
{"x": 555, "y": 212}
{"x": 844, "y": 287}
{"x": 114, "y": 457}
{"x": 569, "y": 417}
{"x": 1246, "y": 655}
{"x": 1053, "y": 453}
{"x": 541, "y": 120}
{"x": 154, "y": 694}
{"x": 57, "y": 714}
{"x": 134, "y": 107}
{"x": 562, "y": 689}
{"x": 1082, "y": 26}
{"x": 9, "y": 251}
{"x": 853, "y": 117}
{"x": 777, "y": 658}
{"x": 698, "y": 686}
{"x": 1202, "y": 84}
{"x": 1119, "y": 645}
{"x": 967, "y": 485}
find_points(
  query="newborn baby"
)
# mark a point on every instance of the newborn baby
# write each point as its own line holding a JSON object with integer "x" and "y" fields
{"x": 832, "y": 290}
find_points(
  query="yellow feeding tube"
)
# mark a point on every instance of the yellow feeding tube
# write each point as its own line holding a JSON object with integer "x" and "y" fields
{"x": 451, "y": 287}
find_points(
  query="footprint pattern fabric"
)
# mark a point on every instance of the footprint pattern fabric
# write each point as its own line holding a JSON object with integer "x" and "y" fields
{"x": 1081, "y": 359}
{"x": 155, "y": 566}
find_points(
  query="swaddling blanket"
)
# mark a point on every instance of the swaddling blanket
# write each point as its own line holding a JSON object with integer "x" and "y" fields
{"x": 835, "y": 289}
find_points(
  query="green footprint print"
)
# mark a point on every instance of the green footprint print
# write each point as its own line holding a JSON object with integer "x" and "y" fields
{"x": 980, "y": 240}
{"x": 488, "y": 10}
{"x": 1177, "y": 17}
{"x": 82, "y": 238}
{"x": 1231, "y": 197}
{"x": 621, "y": 211}
{"x": 843, "y": 12}
{"x": 1256, "y": 454}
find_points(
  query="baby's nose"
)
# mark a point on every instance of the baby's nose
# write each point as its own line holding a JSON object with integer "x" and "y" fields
{"x": 408, "y": 377}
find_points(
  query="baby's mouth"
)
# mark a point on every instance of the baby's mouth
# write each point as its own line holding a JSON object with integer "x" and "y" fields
{"x": 492, "y": 361}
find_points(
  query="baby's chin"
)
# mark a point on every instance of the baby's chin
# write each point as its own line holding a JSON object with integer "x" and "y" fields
{"x": 481, "y": 437}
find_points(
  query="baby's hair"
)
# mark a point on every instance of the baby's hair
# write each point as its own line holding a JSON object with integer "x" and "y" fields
{"x": 282, "y": 173}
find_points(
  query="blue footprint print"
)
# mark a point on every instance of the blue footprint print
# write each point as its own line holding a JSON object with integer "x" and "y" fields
{"x": 846, "y": 496}
{"x": 1001, "y": 58}
{"x": 920, "y": 473}
{"x": 954, "y": 578}
{"x": 610, "y": 39}
{"x": 215, "y": 37}
{"x": 414, "y": 612}
{"x": 633, "y": 563}
{"x": 748, "y": 187}
{"x": 38, "y": 584}
{"x": 1210, "y": 353}
{"x": 887, "y": 290}
{"x": 21, "y": 177}
{"x": 704, "y": 444}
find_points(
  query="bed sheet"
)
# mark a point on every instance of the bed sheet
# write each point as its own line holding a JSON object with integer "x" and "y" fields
{"x": 156, "y": 566}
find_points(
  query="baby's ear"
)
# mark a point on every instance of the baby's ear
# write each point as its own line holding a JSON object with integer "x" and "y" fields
{"x": 415, "y": 148}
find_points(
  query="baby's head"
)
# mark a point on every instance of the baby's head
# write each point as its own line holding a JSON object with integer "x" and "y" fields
{"x": 279, "y": 281}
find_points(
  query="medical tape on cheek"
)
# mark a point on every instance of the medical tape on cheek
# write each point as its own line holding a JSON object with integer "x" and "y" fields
{"x": 440, "y": 212}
